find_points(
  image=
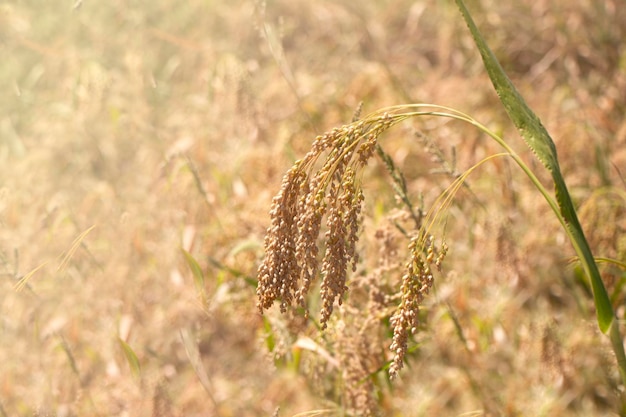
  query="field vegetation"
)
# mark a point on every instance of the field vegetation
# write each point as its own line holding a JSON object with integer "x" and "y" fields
{"x": 142, "y": 143}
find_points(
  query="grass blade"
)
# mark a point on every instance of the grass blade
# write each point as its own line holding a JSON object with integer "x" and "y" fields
{"x": 72, "y": 250}
{"x": 19, "y": 286}
{"x": 131, "y": 358}
{"x": 541, "y": 144}
{"x": 193, "y": 354}
{"x": 539, "y": 141}
{"x": 198, "y": 275}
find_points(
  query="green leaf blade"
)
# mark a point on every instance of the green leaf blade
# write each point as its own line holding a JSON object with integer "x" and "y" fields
{"x": 131, "y": 358}
{"x": 527, "y": 122}
{"x": 196, "y": 271}
{"x": 541, "y": 144}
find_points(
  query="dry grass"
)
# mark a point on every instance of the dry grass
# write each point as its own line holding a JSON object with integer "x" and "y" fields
{"x": 169, "y": 125}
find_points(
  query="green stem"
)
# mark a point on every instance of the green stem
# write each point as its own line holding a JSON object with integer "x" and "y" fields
{"x": 539, "y": 141}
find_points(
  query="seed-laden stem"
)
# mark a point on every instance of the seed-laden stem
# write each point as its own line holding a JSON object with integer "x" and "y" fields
{"x": 305, "y": 198}
{"x": 333, "y": 191}
{"x": 416, "y": 284}
{"x": 311, "y": 191}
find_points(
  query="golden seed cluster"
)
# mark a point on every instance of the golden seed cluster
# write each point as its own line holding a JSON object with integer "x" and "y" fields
{"x": 416, "y": 283}
{"x": 305, "y": 198}
{"x": 280, "y": 271}
{"x": 318, "y": 188}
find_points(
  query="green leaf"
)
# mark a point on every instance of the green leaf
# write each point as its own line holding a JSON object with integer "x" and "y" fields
{"x": 222, "y": 267}
{"x": 246, "y": 245}
{"x": 269, "y": 335}
{"x": 523, "y": 117}
{"x": 131, "y": 358}
{"x": 542, "y": 145}
{"x": 198, "y": 275}
{"x": 193, "y": 353}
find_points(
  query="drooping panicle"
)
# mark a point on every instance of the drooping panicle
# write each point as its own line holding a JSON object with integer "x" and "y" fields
{"x": 327, "y": 187}
{"x": 416, "y": 284}
{"x": 279, "y": 273}
{"x": 311, "y": 191}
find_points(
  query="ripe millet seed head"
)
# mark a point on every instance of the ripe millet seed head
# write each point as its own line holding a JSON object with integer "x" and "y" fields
{"x": 333, "y": 191}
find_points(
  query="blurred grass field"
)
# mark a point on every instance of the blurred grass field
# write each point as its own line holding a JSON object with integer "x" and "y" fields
{"x": 132, "y": 130}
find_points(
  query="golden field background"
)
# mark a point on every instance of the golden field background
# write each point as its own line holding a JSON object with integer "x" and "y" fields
{"x": 131, "y": 130}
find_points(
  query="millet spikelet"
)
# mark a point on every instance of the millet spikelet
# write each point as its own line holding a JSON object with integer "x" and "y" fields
{"x": 416, "y": 283}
